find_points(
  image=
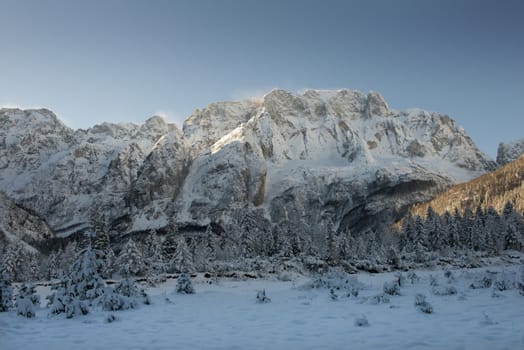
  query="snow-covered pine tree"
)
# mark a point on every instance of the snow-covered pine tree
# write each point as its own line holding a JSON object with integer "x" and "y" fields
{"x": 466, "y": 228}
{"x": 493, "y": 229}
{"x": 125, "y": 295}
{"x": 130, "y": 260}
{"x": 438, "y": 239}
{"x": 431, "y": 227}
{"x": 331, "y": 254}
{"x": 51, "y": 266}
{"x": 205, "y": 252}
{"x": 82, "y": 287}
{"x": 12, "y": 262}
{"x": 64, "y": 301}
{"x": 184, "y": 284}
{"x": 347, "y": 246}
{"x": 182, "y": 259}
{"x": 282, "y": 243}
{"x": 455, "y": 234}
{"x": 169, "y": 244}
{"x": 27, "y": 300}
{"x": 67, "y": 258}
{"x": 446, "y": 222}
{"x": 513, "y": 227}
{"x": 153, "y": 256}
{"x": 6, "y": 292}
{"x": 478, "y": 233}
{"x": 421, "y": 233}
{"x": 420, "y": 240}
{"x": 408, "y": 234}
{"x": 250, "y": 233}
{"x": 85, "y": 281}
{"x": 101, "y": 243}
{"x": 392, "y": 257}
{"x": 30, "y": 267}
{"x": 299, "y": 244}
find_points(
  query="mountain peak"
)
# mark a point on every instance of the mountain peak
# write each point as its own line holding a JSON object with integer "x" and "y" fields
{"x": 510, "y": 151}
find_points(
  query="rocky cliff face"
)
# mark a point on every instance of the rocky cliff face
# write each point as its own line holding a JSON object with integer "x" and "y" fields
{"x": 508, "y": 152}
{"x": 322, "y": 157}
{"x": 20, "y": 225}
{"x": 319, "y": 158}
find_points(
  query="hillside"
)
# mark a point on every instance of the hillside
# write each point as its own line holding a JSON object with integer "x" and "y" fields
{"x": 491, "y": 189}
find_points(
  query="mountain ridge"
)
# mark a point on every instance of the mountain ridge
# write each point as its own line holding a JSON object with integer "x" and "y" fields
{"x": 338, "y": 155}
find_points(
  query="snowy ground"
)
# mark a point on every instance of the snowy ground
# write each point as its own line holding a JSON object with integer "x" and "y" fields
{"x": 226, "y": 316}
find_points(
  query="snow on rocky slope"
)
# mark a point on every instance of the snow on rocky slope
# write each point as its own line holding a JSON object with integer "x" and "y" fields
{"x": 19, "y": 225}
{"x": 312, "y": 159}
{"x": 320, "y": 157}
{"x": 508, "y": 152}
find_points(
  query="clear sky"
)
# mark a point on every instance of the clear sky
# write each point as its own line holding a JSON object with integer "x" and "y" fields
{"x": 111, "y": 60}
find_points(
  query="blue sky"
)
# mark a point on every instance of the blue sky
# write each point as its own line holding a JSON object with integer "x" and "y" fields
{"x": 112, "y": 60}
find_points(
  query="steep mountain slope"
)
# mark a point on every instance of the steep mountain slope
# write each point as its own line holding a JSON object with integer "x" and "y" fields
{"x": 508, "y": 152}
{"x": 320, "y": 158}
{"x": 492, "y": 189}
{"x": 19, "y": 225}
{"x": 311, "y": 160}
{"x": 71, "y": 176}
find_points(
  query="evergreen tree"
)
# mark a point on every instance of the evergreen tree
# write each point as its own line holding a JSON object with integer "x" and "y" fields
{"x": 512, "y": 228}
{"x": 420, "y": 233}
{"x": 67, "y": 258}
{"x": 52, "y": 266}
{"x": 332, "y": 250}
{"x": 448, "y": 230}
{"x": 26, "y": 300}
{"x": 347, "y": 249}
{"x": 205, "y": 252}
{"x": 455, "y": 233}
{"x": 184, "y": 285}
{"x": 12, "y": 262}
{"x": 6, "y": 292}
{"x": 130, "y": 260}
{"x": 408, "y": 234}
{"x": 182, "y": 260}
{"x": 393, "y": 258}
{"x": 153, "y": 256}
{"x": 478, "y": 230}
{"x": 169, "y": 245}
{"x": 30, "y": 268}
{"x": 285, "y": 248}
{"x": 101, "y": 243}
{"x": 466, "y": 229}
{"x": 84, "y": 278}
{"x": 493, "y": 229}
{"x": 83, "y": 286}
{"x": 125, "y": 295}
{"x": 432, "y": 231}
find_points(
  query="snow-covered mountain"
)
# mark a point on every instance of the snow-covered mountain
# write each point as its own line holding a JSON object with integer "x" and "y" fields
{"x": 318, "y": 158}
{"x": 508, "y": 152}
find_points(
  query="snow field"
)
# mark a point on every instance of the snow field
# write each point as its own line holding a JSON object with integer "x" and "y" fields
{"x": 226, "y": 315}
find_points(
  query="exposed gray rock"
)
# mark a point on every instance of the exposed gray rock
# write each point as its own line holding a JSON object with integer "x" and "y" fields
{"x": 20, "y": 225}
{"x": 307, "y": 160}
{"x": 508, "y": 152}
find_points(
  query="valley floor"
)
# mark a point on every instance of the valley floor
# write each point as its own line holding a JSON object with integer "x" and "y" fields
{"x": 225, "y": 315}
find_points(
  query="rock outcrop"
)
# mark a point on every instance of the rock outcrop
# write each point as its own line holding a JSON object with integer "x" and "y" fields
{"x": 508, "y": 152}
